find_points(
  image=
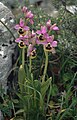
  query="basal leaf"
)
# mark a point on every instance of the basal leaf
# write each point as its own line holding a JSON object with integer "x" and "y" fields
{"x": 21, "y": 77}
{"x": 44, "y": 87}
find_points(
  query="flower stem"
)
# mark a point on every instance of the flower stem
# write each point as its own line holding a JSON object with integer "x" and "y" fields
{"x": 23, "y": 57}
{"x": 46, "y": 64}
{"x": 30, "y": 64}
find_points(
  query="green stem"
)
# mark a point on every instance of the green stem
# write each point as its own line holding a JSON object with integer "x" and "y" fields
{"x": 46, "y": 64}
{"x": 23, "y": 57}
{"x": 8, "y": 29}
{"x": 24, "y": 115}
{"x": 30, "y": 64}
{"x": 62, "y": 102}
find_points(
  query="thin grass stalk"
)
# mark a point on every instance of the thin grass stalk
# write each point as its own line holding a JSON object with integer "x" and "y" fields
{"x": 8, "y": 29}
{"x": 30, "y": 64}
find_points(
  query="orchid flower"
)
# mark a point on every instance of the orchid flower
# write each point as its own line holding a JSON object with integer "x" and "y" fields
{"x": 22, "y": 42}
{"x": 21, "y": 27}
{"x": 51, "y": 27}
{"x": 41, "y": 35}
{"x": 28, "y": 14}
{"x": 24, "y": 9}
{"x": 50, "y": 44}
{"x": 31, "y": 52}
{"x": 48, "y": 24}
{"x": 31, "y": 37}
{"x": 54, "y": 27}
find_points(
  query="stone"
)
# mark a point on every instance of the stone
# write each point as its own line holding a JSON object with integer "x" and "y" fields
{"x": 1, "y": 116}
{"x": 72, "y": 9}
{"x": 10, "y": 3}
{"x": 7, "y": 46}
{"x": 48, "y": 7}
{"x": 34, "y": 1}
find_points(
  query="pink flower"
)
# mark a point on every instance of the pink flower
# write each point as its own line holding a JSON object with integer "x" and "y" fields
{"x": 48, "y": 24}
{"x": 41, "y": 35}
{"x": 22, "y": 42}
{"x": 42, "y": 31}
{"x": 54, "y": 27}
{"x": 50, "y": 43}
{"x": 24, "y": 9}
{"x": 29, "y": 15}
{"x": 31, "y": 52}
{"x": 31, "y": 36}
{"x": 21, "y": 27}
{"x": 51, "y": 27}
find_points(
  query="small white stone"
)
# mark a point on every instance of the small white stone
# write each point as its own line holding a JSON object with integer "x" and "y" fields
{"x": 12, "y": 20}
{"x": 3, "y": 20}
{"x": 2, "y": 53}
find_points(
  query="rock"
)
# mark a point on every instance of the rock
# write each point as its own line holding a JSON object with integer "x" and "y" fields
{"x": 48, "y": 7}
{"x": 10, "y": 3}
{"x": 34, "y": 1}
{"x": 72, "y": 9}
{"x": 7, "y": 45}
{"x": 1, "y": 116}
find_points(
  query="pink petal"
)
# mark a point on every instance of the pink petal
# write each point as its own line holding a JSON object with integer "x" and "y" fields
{"x": 26, "y": 36}
{"x": 38, "y": 31}
{"x": 21, "y": 23}
{"x": 31, "y": 21}
{"x": 54, "y": 44}
{"x": 55, "y": 28}
{"x": 30, "y": 47}
{"x": 48, "y": 24}
{"x": 26, "y": 28}
{"x": 33, "y": 34}
{"x": 43, "y": 29}
{"x": 29, "y": 14}
{"x": 26, "y": 42}
{"x": 18, "y": 40}
{"x": 50, "y": 38}
{"x": 24, "y": 9}
{"x": 17, "y": 27}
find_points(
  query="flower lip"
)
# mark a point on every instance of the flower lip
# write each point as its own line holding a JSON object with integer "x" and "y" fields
{"x": 41, "y": 37}
{"x": 21, "y": 31}
{"x": 48, "y": 47}
{"x": 33, "y": 54}
{"x": 21, "y": 44}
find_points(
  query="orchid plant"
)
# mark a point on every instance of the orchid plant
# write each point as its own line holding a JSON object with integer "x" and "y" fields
{"x": 32, "y": 91}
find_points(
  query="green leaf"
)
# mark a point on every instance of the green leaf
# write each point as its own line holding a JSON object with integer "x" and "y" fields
{"x": 54, "y": 90}
{"x": 19, "y": 111}
{"x": 15, "y": 101}
{"x": 67, "y": 76}
{"x": 44, "y": 87}
{"x": 37, "y": 85}
{"x": 21, "y": 77}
